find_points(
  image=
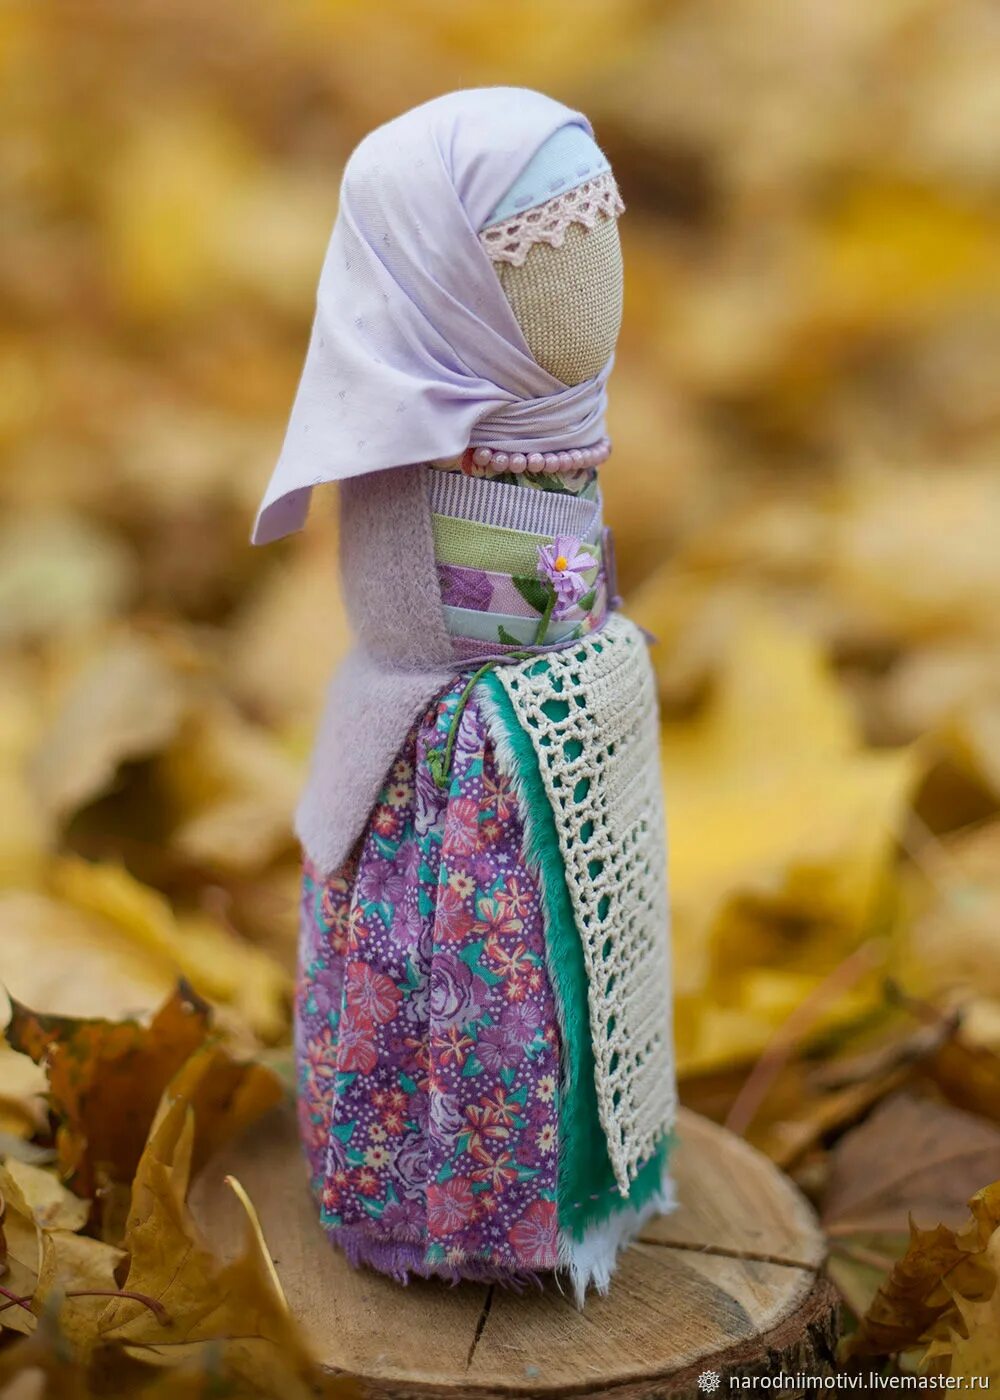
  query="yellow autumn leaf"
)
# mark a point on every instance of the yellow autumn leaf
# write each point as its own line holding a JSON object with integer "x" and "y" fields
{"x": 953, "y": 913}
{"x": 287, "y": 636}
{"x": 892, "y": 250}
{"x": 214, "y": 959}
{"x": 917, "y": 550}
{"x": 22, "y": 1239}
{"x": 59, "y": 572}
{"x": 972, "y": 1347}
{"x": 70, "y": 1265}
{"x": 22, "y": 1084}
{"x": 41, "y": 1197}
{"x": 126, "y": 703}
{"x": 73, "y": 962}
{"x": 167, "y": 194}
{"x": 238, "y": 1305}
{"x": 26, "y": 833}
{"x": 781, "y": 830}
{"x": 236, "y": 788}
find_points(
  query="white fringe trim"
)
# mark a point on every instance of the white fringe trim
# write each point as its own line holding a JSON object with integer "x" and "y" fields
{"x": 592, "y": 1260}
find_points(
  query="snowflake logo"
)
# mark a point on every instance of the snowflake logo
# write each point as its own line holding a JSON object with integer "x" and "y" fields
{"x": 709, "y": 1382}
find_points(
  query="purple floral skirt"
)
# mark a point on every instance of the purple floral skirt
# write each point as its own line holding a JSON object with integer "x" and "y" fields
{"x": 426, "y": 1036}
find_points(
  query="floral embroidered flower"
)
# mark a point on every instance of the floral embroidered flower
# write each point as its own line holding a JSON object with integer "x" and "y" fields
{"x": 514, "y": 897}
{"x": 312, "y": 1124}
{"x": 500, "y": 1107}
{"x": 408, "y": 925}
{"x": 498, "y": 794}
{"x": 546, "y": 1139}
{"x": 408, "y": 860}
{"x": 471, "y": 467}
{"x": 402, "y": 770}
{"x": 546, "y": 1088}
{"x": 356, "y": 931}
{"x": 385, "y": 821}
{"x": 449, "y": 1204}
{"x": 378, "y": 1157}
{"x": 575, "y": 481}
{"x": 340, "y": 930}
{"x": 564, "y": 563}
{"x": 325, "y": 992}
{"x": 457, "y": 995}
{"x": 453, "y": 1047}
{"x": 482, "y": 1125}
{"x": 495, "y": 920}
{"x": 404, "y": 1219}
{"x": 462, "y": 883}
{"x": 333, "y": 908}
{"x": 321, "y": 1053}
{"x": 371, "y": 995}
{"x": 356, "y": 1048}
{"x": 453, "y": 920}
{"x": 461, "y": 831}
{"x": 508, "y": 964}
{"x": 521, "y": 1021}
{"x": 534, "y": 1235}
{"x": 498, "y": 1050}
{"x": 398, "y": 794}
{"x": 496, "y": 1170}
{"x": 381, "y": 883}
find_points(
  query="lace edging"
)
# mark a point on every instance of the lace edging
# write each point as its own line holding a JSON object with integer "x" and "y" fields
{"x": 511, "y": 240}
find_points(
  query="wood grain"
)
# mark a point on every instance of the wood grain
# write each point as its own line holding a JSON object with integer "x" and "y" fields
{"x": 730, "y": 1282}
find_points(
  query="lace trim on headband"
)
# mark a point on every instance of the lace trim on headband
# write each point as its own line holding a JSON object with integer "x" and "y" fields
{"x": 512, "y": 240}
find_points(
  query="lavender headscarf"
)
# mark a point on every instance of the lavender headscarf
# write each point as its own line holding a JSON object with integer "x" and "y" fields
{"x": 415, "y": 352}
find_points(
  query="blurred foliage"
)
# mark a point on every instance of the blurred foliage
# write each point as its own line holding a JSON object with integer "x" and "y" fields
{"x": 805, "y": 492}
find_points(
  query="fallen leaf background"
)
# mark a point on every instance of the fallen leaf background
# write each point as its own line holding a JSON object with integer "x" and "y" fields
{"x": 806, "y": 497}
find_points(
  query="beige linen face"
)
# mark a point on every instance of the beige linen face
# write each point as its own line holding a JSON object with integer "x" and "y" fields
{"x": 568, "y": 300}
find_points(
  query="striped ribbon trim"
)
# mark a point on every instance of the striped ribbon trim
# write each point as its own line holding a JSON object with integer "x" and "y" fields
{"x": 510, "y": 507}
{"x": 484, "y": 626}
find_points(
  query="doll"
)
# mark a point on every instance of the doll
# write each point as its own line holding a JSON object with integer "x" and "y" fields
{"x": 483, "y": 1026}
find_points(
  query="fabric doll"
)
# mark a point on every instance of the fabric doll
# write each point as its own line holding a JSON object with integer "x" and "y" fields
{"x": 483, "y": 1025}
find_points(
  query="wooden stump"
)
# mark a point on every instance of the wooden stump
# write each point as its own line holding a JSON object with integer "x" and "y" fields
{"x": 731, "y": 1282}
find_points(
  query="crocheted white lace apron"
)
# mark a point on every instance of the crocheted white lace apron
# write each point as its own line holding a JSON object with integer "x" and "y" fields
{"x": 597, "y": 750}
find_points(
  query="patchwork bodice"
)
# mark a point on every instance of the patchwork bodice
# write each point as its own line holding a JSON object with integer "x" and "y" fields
{"x": 497, "y": 541}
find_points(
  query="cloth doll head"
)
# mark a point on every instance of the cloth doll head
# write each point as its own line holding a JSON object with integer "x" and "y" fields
{"x": 419, "y": 348}
{"x": 553, "y": 241}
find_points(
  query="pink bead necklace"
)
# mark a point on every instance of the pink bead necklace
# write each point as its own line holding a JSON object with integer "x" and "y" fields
{"x": 500, "y": 460}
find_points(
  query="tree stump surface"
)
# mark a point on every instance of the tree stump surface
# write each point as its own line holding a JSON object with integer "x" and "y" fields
{"x": 730, "y": 1282}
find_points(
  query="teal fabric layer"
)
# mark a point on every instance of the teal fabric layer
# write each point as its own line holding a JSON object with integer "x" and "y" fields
{"x": 588, "y": 1194}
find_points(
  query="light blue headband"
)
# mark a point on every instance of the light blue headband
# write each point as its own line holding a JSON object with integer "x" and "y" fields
{"x": 567, "y": 158}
